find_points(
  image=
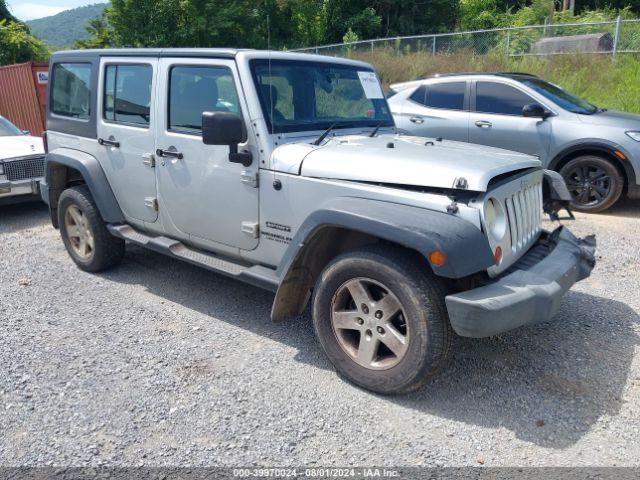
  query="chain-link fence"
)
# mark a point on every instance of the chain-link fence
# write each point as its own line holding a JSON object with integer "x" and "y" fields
{"x": 613, "y": 37}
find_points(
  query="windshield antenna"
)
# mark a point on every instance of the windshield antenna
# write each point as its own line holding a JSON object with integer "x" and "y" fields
{"x": 324, "y": 134}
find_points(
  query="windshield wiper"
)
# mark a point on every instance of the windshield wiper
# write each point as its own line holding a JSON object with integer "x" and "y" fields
{"x": 375, "y": 130}
{"x": 324, "y": 134}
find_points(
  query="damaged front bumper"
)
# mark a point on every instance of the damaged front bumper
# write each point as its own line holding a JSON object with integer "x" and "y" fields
{"x": 529, "y": 292}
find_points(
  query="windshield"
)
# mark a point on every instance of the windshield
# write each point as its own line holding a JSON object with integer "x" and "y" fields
{"x": 301, "y": 96}
{"x": 561, "y": 97}
{"x": 8, "y": 129}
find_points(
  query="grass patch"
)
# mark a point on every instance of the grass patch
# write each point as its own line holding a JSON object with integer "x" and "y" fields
{"x": 601, "y": 79}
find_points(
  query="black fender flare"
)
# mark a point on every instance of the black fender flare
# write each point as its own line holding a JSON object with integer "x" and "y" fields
{"x": 597, "y": 145}
{"x": 466, "y": 248}
{"x": 93, "y": 175}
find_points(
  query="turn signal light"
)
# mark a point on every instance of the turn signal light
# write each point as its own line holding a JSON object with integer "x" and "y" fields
{"x": 437, "y": 258}
{"x": 498, "y": 255}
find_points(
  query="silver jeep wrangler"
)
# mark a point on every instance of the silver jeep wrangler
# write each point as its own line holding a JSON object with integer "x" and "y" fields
{"x": 285, "y": 171}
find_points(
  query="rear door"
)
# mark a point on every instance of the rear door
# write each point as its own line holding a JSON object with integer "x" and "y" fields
{"x": 125, "y": 127}
{"x": 438, "y": 110}
{"x": 496, "y": 120}
{"x": 203, "y": 193}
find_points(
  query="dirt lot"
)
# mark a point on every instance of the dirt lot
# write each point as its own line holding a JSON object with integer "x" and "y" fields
{"x": 161, "y": 363}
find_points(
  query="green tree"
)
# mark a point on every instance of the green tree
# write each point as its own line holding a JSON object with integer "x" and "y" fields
{"x": 100, "y": 34}
{"x": 409, "y": 17}
{"x": 5, "y": 13}
{"x": 185, "y": 23}
{"x": 17, "y": 45}
{"x": 479, "y": 14}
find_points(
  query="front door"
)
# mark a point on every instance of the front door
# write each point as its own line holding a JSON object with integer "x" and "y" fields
{"x": 202, "y": 192}
{"x": 497, "y": 120}
{"x": 126, "y": 124}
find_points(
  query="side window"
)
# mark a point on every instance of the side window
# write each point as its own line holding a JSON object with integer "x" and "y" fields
{"x": 420, "y": 95}
{"x": 127, "y": 94}
{"x": 500, "y": 98}
{"x": 71, "y": 91}
{"x": 193, "y": 90}
{"x": 449, "y": 95}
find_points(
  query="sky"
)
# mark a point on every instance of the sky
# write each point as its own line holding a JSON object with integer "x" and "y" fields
{"x": 32, "y": 9}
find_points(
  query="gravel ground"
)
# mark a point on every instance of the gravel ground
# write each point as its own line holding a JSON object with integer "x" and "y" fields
{"x": 161, "y": 363}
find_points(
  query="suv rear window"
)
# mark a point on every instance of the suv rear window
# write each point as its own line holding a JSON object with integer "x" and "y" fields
{"x": 499, "y": 98}
{"x": 71, "y": 92}
{"x": 449, "y": 95}
{"x": 127, "y": 94}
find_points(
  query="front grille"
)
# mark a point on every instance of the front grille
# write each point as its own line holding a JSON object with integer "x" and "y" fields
{"x": 24, "y": 168}
{"x": 524, "y": 212}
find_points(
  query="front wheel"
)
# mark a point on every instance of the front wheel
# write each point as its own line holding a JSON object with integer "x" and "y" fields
{"x": 382, "y": 320}
{"x": 594, "y": 182}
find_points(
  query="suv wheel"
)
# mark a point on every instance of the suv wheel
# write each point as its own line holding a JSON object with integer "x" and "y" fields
{"x": 84, "y": 233}
{"x": 594, "y": 183}
{"x": 382, "y": 320}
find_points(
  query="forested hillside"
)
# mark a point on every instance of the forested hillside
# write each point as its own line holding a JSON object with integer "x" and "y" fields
{"x": 65, "y": 28}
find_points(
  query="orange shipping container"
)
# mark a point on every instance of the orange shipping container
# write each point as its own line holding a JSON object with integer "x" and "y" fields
{"x": 23, "y": 95}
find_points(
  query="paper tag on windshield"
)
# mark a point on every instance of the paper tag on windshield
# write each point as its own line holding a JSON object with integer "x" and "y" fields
{"x": 370, "y": 85}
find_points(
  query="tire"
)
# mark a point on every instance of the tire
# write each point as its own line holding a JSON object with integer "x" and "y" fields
{"x": 81, "y": 224}
{"x": 422, "y": 318}
{"x": 594, "y": 183}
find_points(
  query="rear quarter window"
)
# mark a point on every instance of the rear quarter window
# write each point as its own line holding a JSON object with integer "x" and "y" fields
{"x": 447, "y": 96}
{"x": 71, "y": 90}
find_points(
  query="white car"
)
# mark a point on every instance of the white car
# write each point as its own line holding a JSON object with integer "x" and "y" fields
{"x": 21, "y": 164}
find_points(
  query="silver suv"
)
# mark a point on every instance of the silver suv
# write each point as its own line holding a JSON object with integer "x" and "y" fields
{"x": 285, "y": 171}
{"x": 596, "y": 151}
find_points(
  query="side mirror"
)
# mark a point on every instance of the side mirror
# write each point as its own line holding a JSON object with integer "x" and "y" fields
{"x": 535, "y": 110}
{"x": 226, "y": 128}
{"x": 26, "y": 132}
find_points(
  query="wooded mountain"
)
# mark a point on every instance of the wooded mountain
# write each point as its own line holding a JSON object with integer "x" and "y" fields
{"x": 63, "y": 29}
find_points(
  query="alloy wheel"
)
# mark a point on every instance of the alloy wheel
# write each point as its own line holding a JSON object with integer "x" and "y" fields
{"x": 79, "y": 232}
{"x": 369, "y": 323}
{"x": 588, "y": 184}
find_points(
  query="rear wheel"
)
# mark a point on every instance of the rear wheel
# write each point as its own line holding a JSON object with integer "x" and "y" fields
{"x": 84, "y": 233}
{"x": 382, "y": 320}
{"x": 594, "y": 183}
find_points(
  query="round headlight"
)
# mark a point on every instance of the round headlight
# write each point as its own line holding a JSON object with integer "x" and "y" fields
{"x": 495, "y": 219}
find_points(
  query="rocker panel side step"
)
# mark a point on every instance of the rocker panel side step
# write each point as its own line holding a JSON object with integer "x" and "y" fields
{"x": 259, "y": 276}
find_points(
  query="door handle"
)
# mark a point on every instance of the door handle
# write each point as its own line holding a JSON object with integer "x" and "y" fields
{"x": 169, "y": 153}
{"x": 483, "y": 124}
{"x": 109, "y": 143}
{"x": 417, "y": 120}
